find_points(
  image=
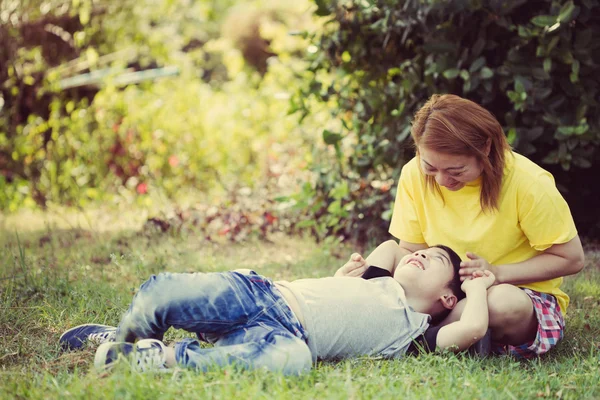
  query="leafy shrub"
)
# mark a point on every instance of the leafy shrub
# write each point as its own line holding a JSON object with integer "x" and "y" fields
{"x": 534, "y": 64}
{"x": 47, "y": 135}
{"x": 217, "y": 125}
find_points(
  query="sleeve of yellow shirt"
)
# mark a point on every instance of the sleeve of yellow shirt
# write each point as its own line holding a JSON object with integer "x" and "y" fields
{"x": 544, "y": 214}
{"x": 405, "y": 221}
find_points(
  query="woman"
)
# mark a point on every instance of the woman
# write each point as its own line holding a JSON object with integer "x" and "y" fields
{"x": 500, "y": 211}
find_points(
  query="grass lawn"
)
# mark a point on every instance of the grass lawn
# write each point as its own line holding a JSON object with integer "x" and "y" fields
{"x": 54, "y": 278}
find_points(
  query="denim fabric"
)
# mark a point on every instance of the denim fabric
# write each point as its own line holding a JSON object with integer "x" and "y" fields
{"x": 243, "y": 314}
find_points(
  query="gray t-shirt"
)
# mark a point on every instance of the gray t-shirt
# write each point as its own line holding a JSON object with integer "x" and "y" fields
{"x": 349, "y": 317}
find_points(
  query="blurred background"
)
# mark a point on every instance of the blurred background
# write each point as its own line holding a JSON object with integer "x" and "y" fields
{"x": 241, "y": 118}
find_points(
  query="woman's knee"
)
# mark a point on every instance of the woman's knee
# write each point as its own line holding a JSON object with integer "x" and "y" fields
{"x": 508, "y": 304}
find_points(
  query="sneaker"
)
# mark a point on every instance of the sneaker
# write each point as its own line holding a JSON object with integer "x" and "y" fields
{"x": 144, "y": 356}
{"x": 75, "y": 338}
{"x": 483, "y": 347}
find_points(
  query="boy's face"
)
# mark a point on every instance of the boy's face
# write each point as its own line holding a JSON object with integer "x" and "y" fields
{"x": 429, "y": 271}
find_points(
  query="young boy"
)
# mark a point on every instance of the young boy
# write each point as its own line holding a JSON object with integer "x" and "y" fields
{"x": 286, "y": 326}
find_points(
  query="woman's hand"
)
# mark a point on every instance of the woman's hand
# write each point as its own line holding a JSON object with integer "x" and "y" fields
{"x": 475, "y": 263}
{"x": 355, "y": 267}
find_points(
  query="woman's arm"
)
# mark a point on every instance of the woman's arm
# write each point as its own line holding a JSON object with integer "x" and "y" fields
{"x": 403, "y": 248}
{"x": 558, "y": 260}
{"x": 387, "y": 255}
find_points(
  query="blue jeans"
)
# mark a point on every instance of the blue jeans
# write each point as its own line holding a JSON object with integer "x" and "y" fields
{"x": 244, "y": 315}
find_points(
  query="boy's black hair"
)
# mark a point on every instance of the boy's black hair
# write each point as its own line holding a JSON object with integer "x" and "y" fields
{"x": 454, "y": 284}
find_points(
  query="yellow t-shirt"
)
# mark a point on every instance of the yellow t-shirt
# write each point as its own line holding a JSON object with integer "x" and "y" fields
{"x": 532, "y": 216}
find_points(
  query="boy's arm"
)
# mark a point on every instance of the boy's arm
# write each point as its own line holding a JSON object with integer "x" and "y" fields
{"x": 473, "y": 323}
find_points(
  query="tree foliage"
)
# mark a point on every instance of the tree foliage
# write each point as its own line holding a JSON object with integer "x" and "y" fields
{"x": 73, "y": 128}
{"x": 533, "y": 64}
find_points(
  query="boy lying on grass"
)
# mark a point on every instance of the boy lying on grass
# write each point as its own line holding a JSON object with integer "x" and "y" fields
{"x": 286, "y": 326}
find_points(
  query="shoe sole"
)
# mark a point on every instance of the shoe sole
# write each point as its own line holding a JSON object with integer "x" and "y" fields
{"x": 68, "y": 346}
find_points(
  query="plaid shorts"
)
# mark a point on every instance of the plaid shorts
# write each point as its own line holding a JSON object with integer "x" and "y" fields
{"x": 551, "y": 325}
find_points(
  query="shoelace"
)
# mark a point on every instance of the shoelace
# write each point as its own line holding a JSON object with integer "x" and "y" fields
{"x": 100, "y": 338}
{"x": 150, "y": 359}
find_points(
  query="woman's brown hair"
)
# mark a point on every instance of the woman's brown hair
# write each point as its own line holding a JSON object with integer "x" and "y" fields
{"x": 453, "y": 125}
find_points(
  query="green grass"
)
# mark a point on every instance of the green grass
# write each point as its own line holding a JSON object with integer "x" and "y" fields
{"x": 54, "y": 278}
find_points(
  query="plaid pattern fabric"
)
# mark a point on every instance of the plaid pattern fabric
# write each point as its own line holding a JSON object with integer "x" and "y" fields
{"x": 551, "y": 325}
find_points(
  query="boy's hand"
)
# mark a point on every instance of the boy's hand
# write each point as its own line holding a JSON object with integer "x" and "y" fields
{"x": 475, "y": 263}
{"x": 356, "y": 266}
{"x": 479, "y": 277}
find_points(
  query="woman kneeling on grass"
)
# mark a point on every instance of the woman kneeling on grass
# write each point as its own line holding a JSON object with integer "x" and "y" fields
{"x": 498, "y": 210}
{"x": 283, "y": 326}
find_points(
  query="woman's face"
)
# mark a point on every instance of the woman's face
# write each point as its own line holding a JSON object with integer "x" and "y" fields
{"x": 450, "y": 171}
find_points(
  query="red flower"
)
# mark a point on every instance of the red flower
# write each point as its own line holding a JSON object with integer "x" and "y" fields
{"x": 142, "y": 188}
{"x": 270, "y": 218}
{"x": 173, "y": 161}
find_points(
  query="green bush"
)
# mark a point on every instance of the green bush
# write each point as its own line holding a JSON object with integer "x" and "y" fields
{"x": 534, "y": 64}
{"x": 219, "y": 124}
{"x": 49, "y": 150}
